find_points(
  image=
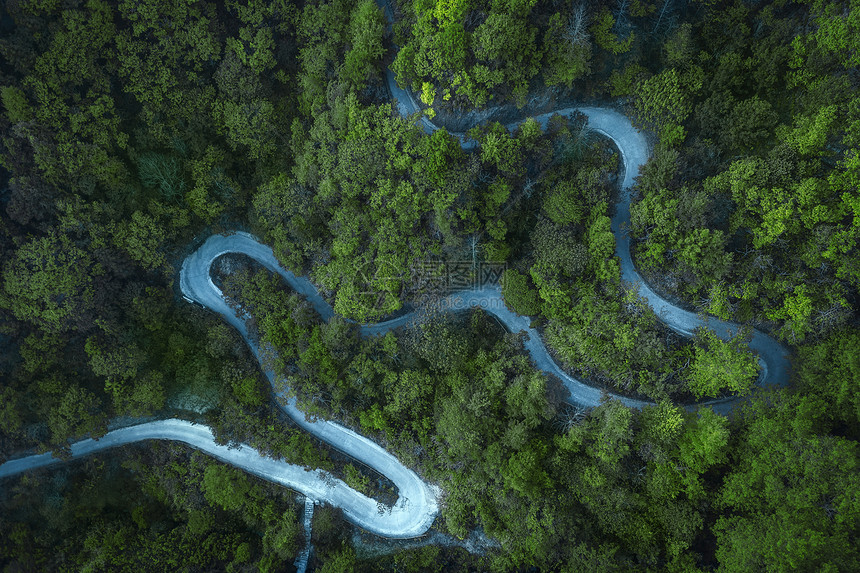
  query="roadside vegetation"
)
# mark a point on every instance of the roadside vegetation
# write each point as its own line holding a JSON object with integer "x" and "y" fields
{"x": 131, "y": 131}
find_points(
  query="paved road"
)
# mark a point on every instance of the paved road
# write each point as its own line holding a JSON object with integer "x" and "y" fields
{"x": 411, "y": 516}
{"x": 417, "y": 505}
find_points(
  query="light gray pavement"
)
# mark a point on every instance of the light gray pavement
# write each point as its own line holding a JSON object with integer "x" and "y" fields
{"x": 416, "y": 507}
{"x": 410, "y": 517}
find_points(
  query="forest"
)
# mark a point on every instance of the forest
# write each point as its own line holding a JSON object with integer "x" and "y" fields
{"x": 130, "y": 131}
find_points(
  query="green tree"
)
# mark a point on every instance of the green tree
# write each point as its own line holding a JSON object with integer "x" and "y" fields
{"x": 342, "y": 561}
{"x": 439, "y": 42}
{"x": 162, "y": 172}
{"x": 703, "y": 445}
{"x": 10, "y": 411}
{"x": 254, "y": 48}
{"x": 558, "y": 247}
{"x": 15, "y": 102}
{"x": 506, "y": 50}
{"x": 721, "y": 365}
{"x": 282, "y": 536}
{"x": 830, "y": 368}
{"x": 791, "y": 493}
{"x": 663, "y": 100}
{"x": 144, "y": 239}
{"x": 601, "y": 246}
{"x": 366, "y": 29}
{"x": 603, "y": 37}
{"x": 523, "y": 471}
{"x": 519, "y": 294}
{"x": 50, "y": 282}
{"x": 566, "y": 49}
{"x": 225, "y": 487}
{"x": 563, "y": 205}
{"x": 78, "y": 412}
{"x": 750, "y": 121}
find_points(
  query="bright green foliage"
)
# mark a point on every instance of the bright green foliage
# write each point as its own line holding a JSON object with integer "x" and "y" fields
{"x": 494, "y": 424}
{"x": 603, "y": 36}
{"x": 563, "y": 204}
{"x": 247, "y": 389}
{"x": 609, "y": 439}
{"x": 371, "y": 191}
{"x": 781, "y": 204}
{"x": 428, "y": 93}
{"x": 254, "y": 48}
{"x": 663, "y": 100}
{"x": 282, "y": 536}
{"x": 703, "y": 444}
{"x": 225, "y": 487}
{"x": 791, "y": 493}
{"x": 810, "y": 133}
{"x": 439, "y": 48}
{"x": 500, "y": 52}
{"x": 585, "y": 333}
{"x": 518, "y": 293}
{"x": 566, "y": 59}
{"x": 356, "y": 480}
{"x": 831, "y": 369}
{"x": 15, "y": 102}
{"x": 662, "y": 423}
{"x": 50, "y": 283}
{"x": 78, "y": 412}
{"x": 838, "y": 30}
{"x": 670, "y": 226}
{"x": 596, "y": 455}
{"x": 601, "y": 247}
{"x": 797, "y": 311}
{"x": 437, "y": 152}
{"x": 770, "y": 211}
{"x": 721, "y": 365}
{"x": 498, "y": 147}
{"x": 366, "y": 29}
{"x": 523, "y": 472}
{"x": 624, "y": 82}
{"x": 504, "y": 45}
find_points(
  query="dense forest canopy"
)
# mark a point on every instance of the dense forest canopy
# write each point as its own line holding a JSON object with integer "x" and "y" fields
{"x": 132, "y": 130}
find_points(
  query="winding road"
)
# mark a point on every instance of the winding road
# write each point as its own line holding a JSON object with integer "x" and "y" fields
{"x": 417, "y": 504}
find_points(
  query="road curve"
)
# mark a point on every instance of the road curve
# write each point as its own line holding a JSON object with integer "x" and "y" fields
{"x": 409, "y": 518}
{"x": 417, "y": 504}
{"x": 772, "y": 356}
